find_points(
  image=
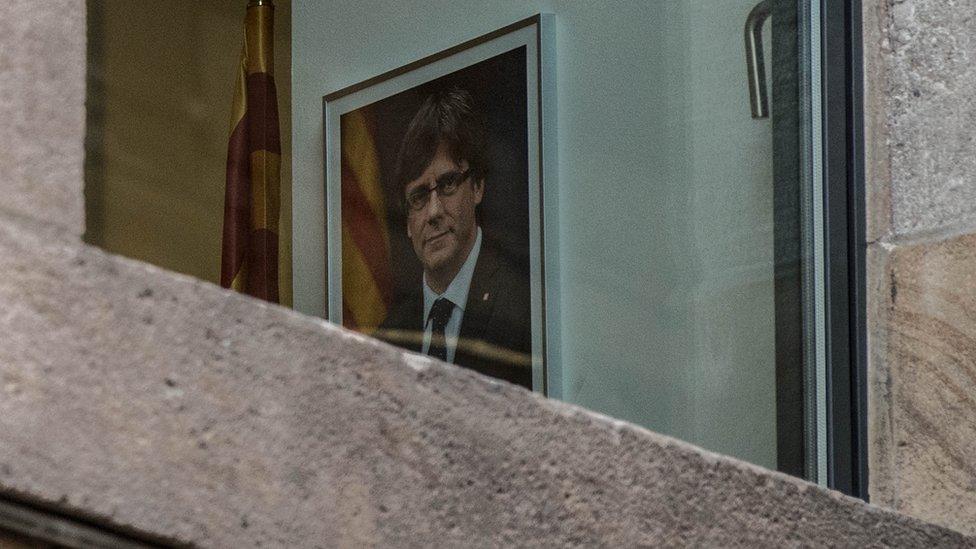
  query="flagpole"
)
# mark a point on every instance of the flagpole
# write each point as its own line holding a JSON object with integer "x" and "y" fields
{"x": 256, "y": 3}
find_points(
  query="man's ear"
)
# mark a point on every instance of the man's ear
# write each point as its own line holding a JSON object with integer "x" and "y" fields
{"x": 479, "y": 190}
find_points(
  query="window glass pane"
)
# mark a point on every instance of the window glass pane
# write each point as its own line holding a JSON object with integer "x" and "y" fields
{"x": 677, "y": 219}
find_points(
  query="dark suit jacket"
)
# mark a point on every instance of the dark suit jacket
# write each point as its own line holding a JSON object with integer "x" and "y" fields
{"x": 495, "y": 337}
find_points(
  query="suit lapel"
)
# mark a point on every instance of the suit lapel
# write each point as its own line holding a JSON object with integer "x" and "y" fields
{"x": 416, "y": 311}
{"x": 481, "y": 297}
{"x": 405, "y": 323}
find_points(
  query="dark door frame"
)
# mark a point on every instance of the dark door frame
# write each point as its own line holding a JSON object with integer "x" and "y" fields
{"x": 844, "y": 210}
{"x": 841, "y": 123}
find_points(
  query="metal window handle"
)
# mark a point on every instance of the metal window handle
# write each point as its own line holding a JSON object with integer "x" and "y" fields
{"x": 758, "y": 99}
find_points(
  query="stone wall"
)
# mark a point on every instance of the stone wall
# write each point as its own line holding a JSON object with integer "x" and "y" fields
{"x": 164, "y": 404}
{"x": 151, "y": 402}
{"x": 42, "y": 110}
{"x": 921, "y": 125}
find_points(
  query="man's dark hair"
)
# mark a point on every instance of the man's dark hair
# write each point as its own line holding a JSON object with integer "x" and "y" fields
{"x": 446, "y": 116}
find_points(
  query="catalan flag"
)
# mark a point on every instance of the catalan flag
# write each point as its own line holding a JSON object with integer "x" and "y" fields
{"x": 367, "y": 281}
{"x": 249, "y": 258}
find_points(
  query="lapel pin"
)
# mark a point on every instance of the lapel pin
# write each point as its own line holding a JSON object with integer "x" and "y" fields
{"x": 484, "y": 297}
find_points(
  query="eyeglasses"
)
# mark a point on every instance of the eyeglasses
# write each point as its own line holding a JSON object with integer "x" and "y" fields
{"x": 446, "y": 185}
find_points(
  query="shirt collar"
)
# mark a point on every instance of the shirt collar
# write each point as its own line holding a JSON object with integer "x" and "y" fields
{"x": 457, "y": 290}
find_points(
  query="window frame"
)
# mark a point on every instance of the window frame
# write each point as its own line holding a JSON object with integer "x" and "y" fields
{"x": 845, "y": 239}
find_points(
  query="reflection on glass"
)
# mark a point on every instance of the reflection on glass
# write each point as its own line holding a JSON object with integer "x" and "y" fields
{"x": 686, "y": 238}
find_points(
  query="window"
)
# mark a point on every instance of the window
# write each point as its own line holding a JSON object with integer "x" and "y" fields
{"x": 706, "y": 202}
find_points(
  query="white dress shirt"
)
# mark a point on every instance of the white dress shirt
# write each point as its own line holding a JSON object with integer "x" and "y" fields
{"x": 456, "y": 293}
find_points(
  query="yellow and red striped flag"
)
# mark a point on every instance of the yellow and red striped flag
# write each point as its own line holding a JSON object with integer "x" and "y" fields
{"x": 367, "y": 281}
{"x": 249, "y": 255}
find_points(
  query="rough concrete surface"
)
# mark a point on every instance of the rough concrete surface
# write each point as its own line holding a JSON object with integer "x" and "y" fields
{"x": 10, "y": 540}
{"x": 42, "y": 109}
{"x": 929, "y": 440}
{"x": 930, "y": 106}
{"x": 169, "y": 405}
{"x": 881, "y": 468}
{"x": 877, "y": 161}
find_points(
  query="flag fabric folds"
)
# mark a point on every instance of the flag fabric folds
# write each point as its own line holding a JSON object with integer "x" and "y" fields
{"x": 249, "y": 255}
{"x": 367, "y": 280}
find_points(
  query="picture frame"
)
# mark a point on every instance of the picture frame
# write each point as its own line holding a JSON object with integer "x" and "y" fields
{"x": 440, "y": 186}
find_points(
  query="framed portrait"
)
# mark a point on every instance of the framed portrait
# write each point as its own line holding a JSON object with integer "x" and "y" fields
{"x": 441, "y": 207}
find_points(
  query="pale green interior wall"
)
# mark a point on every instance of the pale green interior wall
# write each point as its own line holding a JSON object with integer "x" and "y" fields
{"x": 665, "y": 191}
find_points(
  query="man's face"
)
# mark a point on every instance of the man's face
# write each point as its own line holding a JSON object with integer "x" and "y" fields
{"x": 443, "y": 231}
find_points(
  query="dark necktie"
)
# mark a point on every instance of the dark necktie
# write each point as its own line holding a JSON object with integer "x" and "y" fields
{"x": 440, "y": 313}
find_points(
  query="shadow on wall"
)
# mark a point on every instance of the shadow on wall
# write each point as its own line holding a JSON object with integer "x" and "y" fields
{"x": 160, "y": 85}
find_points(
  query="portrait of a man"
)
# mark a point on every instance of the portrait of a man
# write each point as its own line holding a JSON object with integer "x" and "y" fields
{"x": 473, "y": 308}
{"x": 435, "y": 220}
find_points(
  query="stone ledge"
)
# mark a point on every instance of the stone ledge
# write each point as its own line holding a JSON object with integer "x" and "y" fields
{"x": 165, "y": 404}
